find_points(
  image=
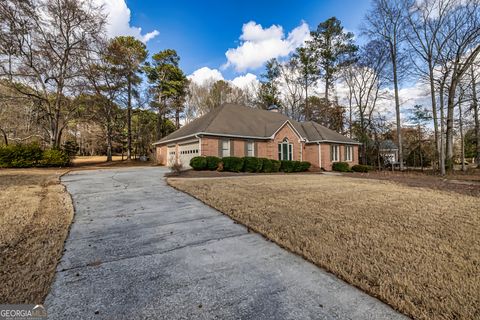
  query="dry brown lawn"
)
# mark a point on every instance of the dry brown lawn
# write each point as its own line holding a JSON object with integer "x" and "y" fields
{"x": 417, "y": 249}
{"x": 35, "y": 214}
{"x": 89, "y": 160}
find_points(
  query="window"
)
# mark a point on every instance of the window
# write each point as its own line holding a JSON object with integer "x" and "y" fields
{"x": 285, "y": 150}
{"x": 250, "y": 149}
{"x": 348, "y": 153}
{"x": 225, "y": 148}
{"x": 335, "y": 153}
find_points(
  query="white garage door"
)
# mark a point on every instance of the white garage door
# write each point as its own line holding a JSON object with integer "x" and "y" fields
{"x": 171, "y": 155}
{"x": 186, "y": 152}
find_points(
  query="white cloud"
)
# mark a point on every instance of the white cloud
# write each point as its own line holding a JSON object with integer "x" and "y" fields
{"x": 118, "y": 21}
{"x": 259, "y": 44}
{"x": 205, "y": 74}
{"x": 246, "y": 81}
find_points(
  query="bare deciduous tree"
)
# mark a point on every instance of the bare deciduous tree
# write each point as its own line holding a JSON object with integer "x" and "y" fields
{"x": 386, "y": 23}
{"x": 43, "y": 47}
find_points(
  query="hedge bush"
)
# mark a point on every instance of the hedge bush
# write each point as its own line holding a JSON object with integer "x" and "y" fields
{"x": 294, "y": 166}
{"x": 55, "y": 158}
{"x": 276, "y": 164}
{"x": 31, "y": 155}
{"x": 20, "y": 156}
{"x": 267, "y": 165}
{"x": 232, "y": 164}
{"x": 361, "y": 168}
{"x": 304, "y": 166}
{"x": 198, "y": 163}
{"x": 252, "y": 164}
{"x": 287, "y": 166}
{"x": 212, "y": 162}
{"x": 341, "y": 167}
{"x": 248, "y": 164}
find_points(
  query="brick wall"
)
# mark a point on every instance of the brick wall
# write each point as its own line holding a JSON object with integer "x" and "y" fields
{"x": 209, "y": 146}
{"x": 310, "y": 154}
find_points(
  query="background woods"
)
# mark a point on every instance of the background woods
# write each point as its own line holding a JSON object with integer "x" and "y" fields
{"x": 63, "y": 82}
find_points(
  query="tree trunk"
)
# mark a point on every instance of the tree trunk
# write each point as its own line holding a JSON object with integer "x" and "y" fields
{"x": 327, "y": 80}
{"x": 307, "y": 109}
{"x": 449, "y": 133}
{"x": 129, "y": 121}
{"x": 442, "y": 130}
{"x": 109, "y": 142}
{"x": 397, "y": 108}
{"x": 177, "y": 118}
{"x": 434, "y": 114}
{"x": 5, "y": 138}
{"x": 350, "y": 115}
{"x": 462, "y": 142}
{"x": 475, "y": 116}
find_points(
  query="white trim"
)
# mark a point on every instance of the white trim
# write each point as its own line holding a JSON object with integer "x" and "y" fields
{"x": 229, "y": 148}
{"x": 187, "y": 142}
{"x": 346, "y": 153}
{"x": 333, "y": 141}
{"x": 199, "y": 146}
{"x": 211, "y": 134}
{"x": 292, "y": 127}
{"x": 254, "y": 137}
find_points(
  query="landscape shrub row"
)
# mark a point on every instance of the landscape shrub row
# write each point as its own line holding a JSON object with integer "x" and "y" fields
{"x": 31, "y": 155}
{"x": 345, "y": 167}
{"x": 247, "y": 164}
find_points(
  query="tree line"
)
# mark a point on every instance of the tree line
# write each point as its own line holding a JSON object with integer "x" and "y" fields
{"x": 62, "y": 79}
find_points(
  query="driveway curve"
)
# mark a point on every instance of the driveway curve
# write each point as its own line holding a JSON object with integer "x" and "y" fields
{"x": 139, "y": 249}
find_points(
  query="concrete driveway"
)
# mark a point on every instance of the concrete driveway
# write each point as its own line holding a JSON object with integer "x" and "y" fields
{"x": 139, "y": 249}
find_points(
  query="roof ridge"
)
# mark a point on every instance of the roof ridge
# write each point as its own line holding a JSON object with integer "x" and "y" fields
{"x": 218, "y": 110}
{"x": 315, "y": 127}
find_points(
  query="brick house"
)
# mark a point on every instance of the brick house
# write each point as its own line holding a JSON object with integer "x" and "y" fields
{"x": 234, "y": 130}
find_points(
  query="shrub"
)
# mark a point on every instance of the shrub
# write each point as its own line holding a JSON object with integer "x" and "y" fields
{"x": 212, "y": 162}
{"x": 20, "y": 155}
{"x": 287, "y": 166}
{"x": 341, "y": 167}
{"x": 176, "y": 168}
{"x": 267, "y": 165}
{"x": 71, "y": 148}
{"x": 252, "y": 164}
{"x": 198, "y": 163}
{"x": 276, "y": 164}
{"x": 55, "y": 158}
{"x": 304, "y": 166}
{"x": 232, "y": 164}
{"x": 361, "y": 168}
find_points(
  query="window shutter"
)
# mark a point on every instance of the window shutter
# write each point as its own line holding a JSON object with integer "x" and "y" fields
{"x": 255, "y": 149}
{"x": 220, "y": 148}
{"x": 331, "y": 152}
{"x": 245, "y": 149}
{"x": 345, "y": 153}
{"x": 232, "y": 153}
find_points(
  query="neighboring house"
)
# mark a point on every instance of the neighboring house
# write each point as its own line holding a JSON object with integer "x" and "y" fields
{"x": 388, "y": 150}
{"x": 234, "y": 130}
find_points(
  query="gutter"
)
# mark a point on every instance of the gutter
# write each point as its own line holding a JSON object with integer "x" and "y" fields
{"x": 198, "y": 134}
{"x": 333, "y": 141}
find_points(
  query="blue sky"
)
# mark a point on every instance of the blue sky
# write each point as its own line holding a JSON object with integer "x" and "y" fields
{"x": 203, "y": 31}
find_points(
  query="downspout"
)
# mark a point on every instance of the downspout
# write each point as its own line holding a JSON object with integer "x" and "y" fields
{"x": 199, "y": 144}
{"x": 302, "y": 145}
{"x": 319, "y": 155}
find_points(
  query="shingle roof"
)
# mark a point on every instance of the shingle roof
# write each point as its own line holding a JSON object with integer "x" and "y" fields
{"x": 237, "y": 120}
